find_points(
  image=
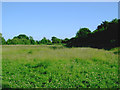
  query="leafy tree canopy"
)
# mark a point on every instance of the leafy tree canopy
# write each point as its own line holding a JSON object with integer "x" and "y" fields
{"x": 22, "y": 36}
{"x": 55, "y": 40}
{"x": 83, "y": 32}
{"x": 45, "y": 41}
{"x": 2, "y": 40}
{"x": 114, "y": 20}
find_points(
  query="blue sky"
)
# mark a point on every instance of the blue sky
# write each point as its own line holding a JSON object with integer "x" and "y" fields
{"x": 60, "y": 19}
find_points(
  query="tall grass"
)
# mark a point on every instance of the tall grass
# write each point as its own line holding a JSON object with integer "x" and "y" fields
{"x": 57, "y": 66}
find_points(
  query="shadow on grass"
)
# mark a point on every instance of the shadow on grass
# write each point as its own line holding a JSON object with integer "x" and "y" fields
{"x": 56, "y": 47}
{"x": 117, "y": 52}
{"x": 5, "y": 87}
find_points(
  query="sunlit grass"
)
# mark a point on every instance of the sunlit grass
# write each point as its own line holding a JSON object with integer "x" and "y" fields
{"x": 57, "y": 66}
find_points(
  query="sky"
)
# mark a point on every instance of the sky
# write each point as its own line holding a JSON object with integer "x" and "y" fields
{"x": 60, "y": 19}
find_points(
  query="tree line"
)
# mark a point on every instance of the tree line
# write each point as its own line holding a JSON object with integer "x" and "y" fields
{"x": 23, "y": 39}
{"x": 105, "y": 36}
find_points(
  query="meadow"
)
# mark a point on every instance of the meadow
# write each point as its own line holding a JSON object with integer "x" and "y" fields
{"x": 55, "y": 66}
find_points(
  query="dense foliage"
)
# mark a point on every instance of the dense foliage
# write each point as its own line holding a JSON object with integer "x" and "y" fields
{"x": 82, "y": 33}
{"x": 105, "y": 36}
{"x": 2, "y": 40}
{"x": 25, "y": 40}
{"x": 56, "y": 40}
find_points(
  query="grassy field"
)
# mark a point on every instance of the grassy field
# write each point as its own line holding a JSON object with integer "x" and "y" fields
{"x": 58, "y": 67}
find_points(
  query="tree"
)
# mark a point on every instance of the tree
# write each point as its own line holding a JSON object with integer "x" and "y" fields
{"x": 15, "y": 41}
{"x": 2, "y": 40}
{"x": 22, "y": 36}
{"x": 31, "y": 40}
{"x": 105, "y": 36}
{"x": 26, "y": 42}
{"x": 104, "y": 26}
{"x": 49, "y": 42}
{"x": 56, "y": 40}
{"x": 45, "y": 41}
{"x": 114, "y": 20}
{"x": 9, "y": 41}
{"x": 20, "y": 39}
{"x": 37, "y": 42}
{"x": 65, "y": 40}
{"x": 82, "y": 33}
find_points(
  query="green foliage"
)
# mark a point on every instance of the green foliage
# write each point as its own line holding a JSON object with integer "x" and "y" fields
{"x": 20, "y": 39}
{"x": 105, "y": 36}
{"x": 9, "y": 41}
{"x": 45, "y": 67}
{"x": 82, "y": 33}
{"x": 31, "y": 40}
{"x": 55, "y": 40}
{"x": 22, "y": 36}
{"x": 45, "y": 41}
{"x": 104, "y": 26}
{"x": 37, "y": 42}
{"x": 65, "y": 40}
{"x": 2, "y": 40}
{"x": 114, "y": 21}
{"x": 94, "y": 31}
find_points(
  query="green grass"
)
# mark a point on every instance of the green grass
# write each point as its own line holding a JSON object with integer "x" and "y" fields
{"x": 58, "y": 67}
